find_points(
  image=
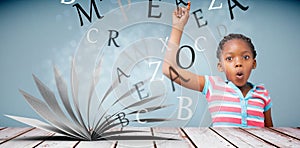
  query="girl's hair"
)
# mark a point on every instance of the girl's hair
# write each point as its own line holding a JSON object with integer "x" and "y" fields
{"x": 235, "y": 36}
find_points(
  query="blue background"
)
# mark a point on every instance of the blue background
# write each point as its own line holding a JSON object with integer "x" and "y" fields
{"x": 36, "y": 34}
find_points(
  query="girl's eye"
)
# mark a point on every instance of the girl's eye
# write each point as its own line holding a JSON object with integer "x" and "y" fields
{"x": 246, "y": 57}
{"x": 228, "y": 58}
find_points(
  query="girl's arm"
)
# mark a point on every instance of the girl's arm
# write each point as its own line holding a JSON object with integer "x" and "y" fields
{"x": 268, "y": 118}
{"x": 180, "y": 17}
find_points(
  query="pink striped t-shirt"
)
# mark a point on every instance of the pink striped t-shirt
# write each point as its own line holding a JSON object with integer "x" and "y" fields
{"x": 228, "y": 106}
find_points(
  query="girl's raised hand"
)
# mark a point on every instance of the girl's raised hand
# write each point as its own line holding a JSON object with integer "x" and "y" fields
{"x": 180, "y": 17}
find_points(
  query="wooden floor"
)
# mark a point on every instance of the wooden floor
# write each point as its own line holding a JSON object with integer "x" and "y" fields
{"x": 188, "y": 137}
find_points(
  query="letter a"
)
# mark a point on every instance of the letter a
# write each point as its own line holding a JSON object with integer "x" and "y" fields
{"x": 236, "y": 3}
{"x": 177, "y": 76}
{"x": 122, "y": 73}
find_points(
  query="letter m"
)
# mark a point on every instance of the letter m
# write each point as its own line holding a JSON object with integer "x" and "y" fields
{"x": 89, "y": 17}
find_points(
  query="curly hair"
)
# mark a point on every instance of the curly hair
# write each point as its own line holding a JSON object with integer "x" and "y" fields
{"x": 235, "y": 36}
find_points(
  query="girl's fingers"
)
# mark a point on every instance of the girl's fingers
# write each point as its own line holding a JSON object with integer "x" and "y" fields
{"x": 181, "y": 11}
{"x": 185, "y": 12}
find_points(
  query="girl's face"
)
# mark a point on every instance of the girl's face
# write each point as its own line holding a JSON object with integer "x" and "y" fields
{"x": 237, "y": 61}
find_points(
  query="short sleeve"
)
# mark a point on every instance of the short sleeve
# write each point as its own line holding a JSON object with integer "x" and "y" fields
{"x": 268, "y": 104}
{"x": 212, "y": 85}
{"x": 206, "y": 86}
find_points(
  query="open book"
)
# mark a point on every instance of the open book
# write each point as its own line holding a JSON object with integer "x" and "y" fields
{"x": 69, "y": 117}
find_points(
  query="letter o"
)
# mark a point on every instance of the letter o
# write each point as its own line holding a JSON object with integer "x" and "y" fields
{"x": 193, "y": 57}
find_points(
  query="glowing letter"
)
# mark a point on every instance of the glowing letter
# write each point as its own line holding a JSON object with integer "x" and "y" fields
{"x": 156, "y": 69}
{"x": 211, "y": 5}
{"x": 186, "y": 107}
{"x": 196, "y": 43}
{"x": 88, "y": 35}
{"x": 69, "y": 2}
{"x": 220, "y": 30}
{"x": 165, "y": 43}
{"x": 138, "y": 113}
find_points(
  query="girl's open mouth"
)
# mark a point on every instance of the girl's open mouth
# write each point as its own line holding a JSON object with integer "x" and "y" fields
{"x": 239, "y": 75}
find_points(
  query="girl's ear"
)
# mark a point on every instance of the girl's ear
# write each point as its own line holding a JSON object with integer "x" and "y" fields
{"x": 254, "y": 64}
{"x": 220, "y": 68}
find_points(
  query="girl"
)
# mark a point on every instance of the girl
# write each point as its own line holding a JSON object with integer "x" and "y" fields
{"x": 234, "y": 102}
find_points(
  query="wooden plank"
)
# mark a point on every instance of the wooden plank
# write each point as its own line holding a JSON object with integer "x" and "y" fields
{"x": 292, "y": 132}
{"x": 92, "y": 144}
{"x": 204, "y": 137}
{"x": 173, "y": 133}
{"x": 273, "y": 137}
{"x": 136, "y": 143}
{"x": 240, "y": 138}
{"x": 10, "y": 133}
{"x": 28, "y": 139}
{"x": 1, "y": 128}
{"x": 58, "y": 140}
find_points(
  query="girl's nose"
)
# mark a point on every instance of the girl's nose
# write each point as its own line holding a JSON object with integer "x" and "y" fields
{"x": 238, "y": 62}
{"x": 238, "y": 65}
